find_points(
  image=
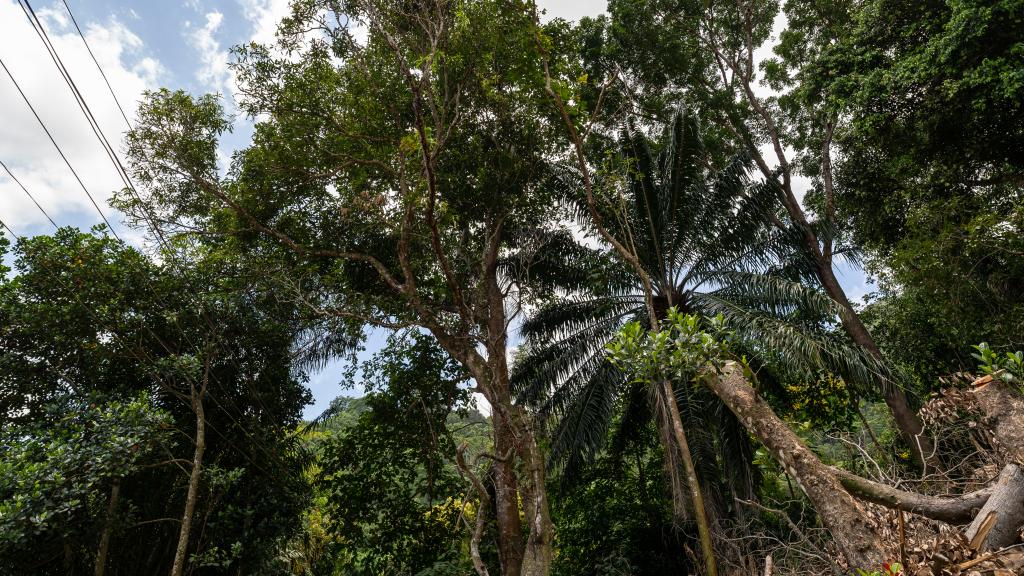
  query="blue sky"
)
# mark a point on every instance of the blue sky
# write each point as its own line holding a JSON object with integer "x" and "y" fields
{"x": 141, "y": 45}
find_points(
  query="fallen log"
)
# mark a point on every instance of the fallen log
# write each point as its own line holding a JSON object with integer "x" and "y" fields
{"x": 854, "y": 534}
{"x": 997, "y": 509}
{"x": 953, "y": 509}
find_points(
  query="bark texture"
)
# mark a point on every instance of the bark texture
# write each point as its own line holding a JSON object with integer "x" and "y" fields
{"x": 506, "y": 496}
{"x": 955, "y": 510}
{"x": 1007, "y": 502}
{"x": 539, "y": 553}
{"x": 519, "y": 470}
{"x": 856, "y": 537}
{"x": 181, "y": 553}
{"x": 108, "y": 526}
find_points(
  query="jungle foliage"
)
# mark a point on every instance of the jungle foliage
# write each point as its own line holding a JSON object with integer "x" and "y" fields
{"x": 606, "y": 256}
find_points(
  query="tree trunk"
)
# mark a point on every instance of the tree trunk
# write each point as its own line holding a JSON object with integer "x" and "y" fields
{"x": 907, "y": 422}
{"x": 506, "y": 500}
{"x": 193, "y": 484}
{"x": 703, "y": 526}
{"x": 839, "y": 512}
{"x": 539, "y": 551}
{"x": 515, "y": 443}
{"x": 104, "y": 546}
{"x": 1004, "y": 413}
{"x": 519, "y": 476}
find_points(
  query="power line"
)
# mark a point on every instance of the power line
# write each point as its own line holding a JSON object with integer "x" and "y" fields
{"x": 31, "y": 197}
{"x": 98, "y": 67}
{"x": 262, "y": 447}
{"x": 8, "y": 228}
{"x": 59, "y": 150}
{"x": 90, "y": 118}
{"x": 94, "y": 125}
{"x": 97, "y": 131}
{"x": 123, "y": 174}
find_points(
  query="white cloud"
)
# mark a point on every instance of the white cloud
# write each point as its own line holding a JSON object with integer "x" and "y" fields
{"x": 213, "y": 72}
{"x": 571, "y": 9}
{"x": 264, "y": 15}
{"x": 54, "y": 17}
{"x": 25, "y": 148}
{"x": 360, "y": 32}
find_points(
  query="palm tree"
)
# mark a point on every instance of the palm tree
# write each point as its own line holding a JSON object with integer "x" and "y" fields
{"x": 703, "y": 238}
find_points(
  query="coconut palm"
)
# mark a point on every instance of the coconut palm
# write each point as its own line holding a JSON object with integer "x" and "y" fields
{"x": 704, "y": 239}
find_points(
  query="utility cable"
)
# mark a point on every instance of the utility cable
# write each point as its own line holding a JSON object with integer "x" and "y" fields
{"x": 94, "y": 125}
{"x": 30, "y": 196}
{"x": 59, "y": 150}
{"x": 8, "y": 228}
{"x": 123, "y": 174}
{"x": 98, "y": 67}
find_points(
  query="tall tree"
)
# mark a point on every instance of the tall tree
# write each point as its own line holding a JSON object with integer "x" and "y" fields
{"x": 787, "y": 131}
{"x": 389, "y": 176}
{"x": 930, "y": 179}
{"x": 704, "y": 240}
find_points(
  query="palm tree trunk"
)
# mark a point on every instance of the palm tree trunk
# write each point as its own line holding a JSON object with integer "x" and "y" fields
{"x": 703, "y": 526}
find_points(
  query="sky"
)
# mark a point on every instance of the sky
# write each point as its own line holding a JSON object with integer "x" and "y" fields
{"x": 140, "y": 45}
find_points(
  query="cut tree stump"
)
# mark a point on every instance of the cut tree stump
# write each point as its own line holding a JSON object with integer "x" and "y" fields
{"x": 1003, "y": 407}
{"x": 1007, "y": 504}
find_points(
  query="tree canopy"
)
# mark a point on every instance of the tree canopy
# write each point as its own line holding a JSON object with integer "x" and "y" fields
{"x": 606, "y": 260}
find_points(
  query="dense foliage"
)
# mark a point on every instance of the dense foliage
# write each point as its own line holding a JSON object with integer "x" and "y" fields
{"x": 606, "y": 255}
{"x": 933, "y": 191}
{"x": 98, "y": 346}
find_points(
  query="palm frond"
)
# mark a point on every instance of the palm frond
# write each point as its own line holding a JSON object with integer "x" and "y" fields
{"x": 583, "y": 427}
{"x": 697, "y": 409}
{"x": 648, "y": 220}
{"x": 802, "y": 347}
{"x": 548, "y": 375}
{"x": 562, "y": 318}
{"x": 634, "y": 416}
{"x": 737, "y": 454}
{"x": 775, "y": 295}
